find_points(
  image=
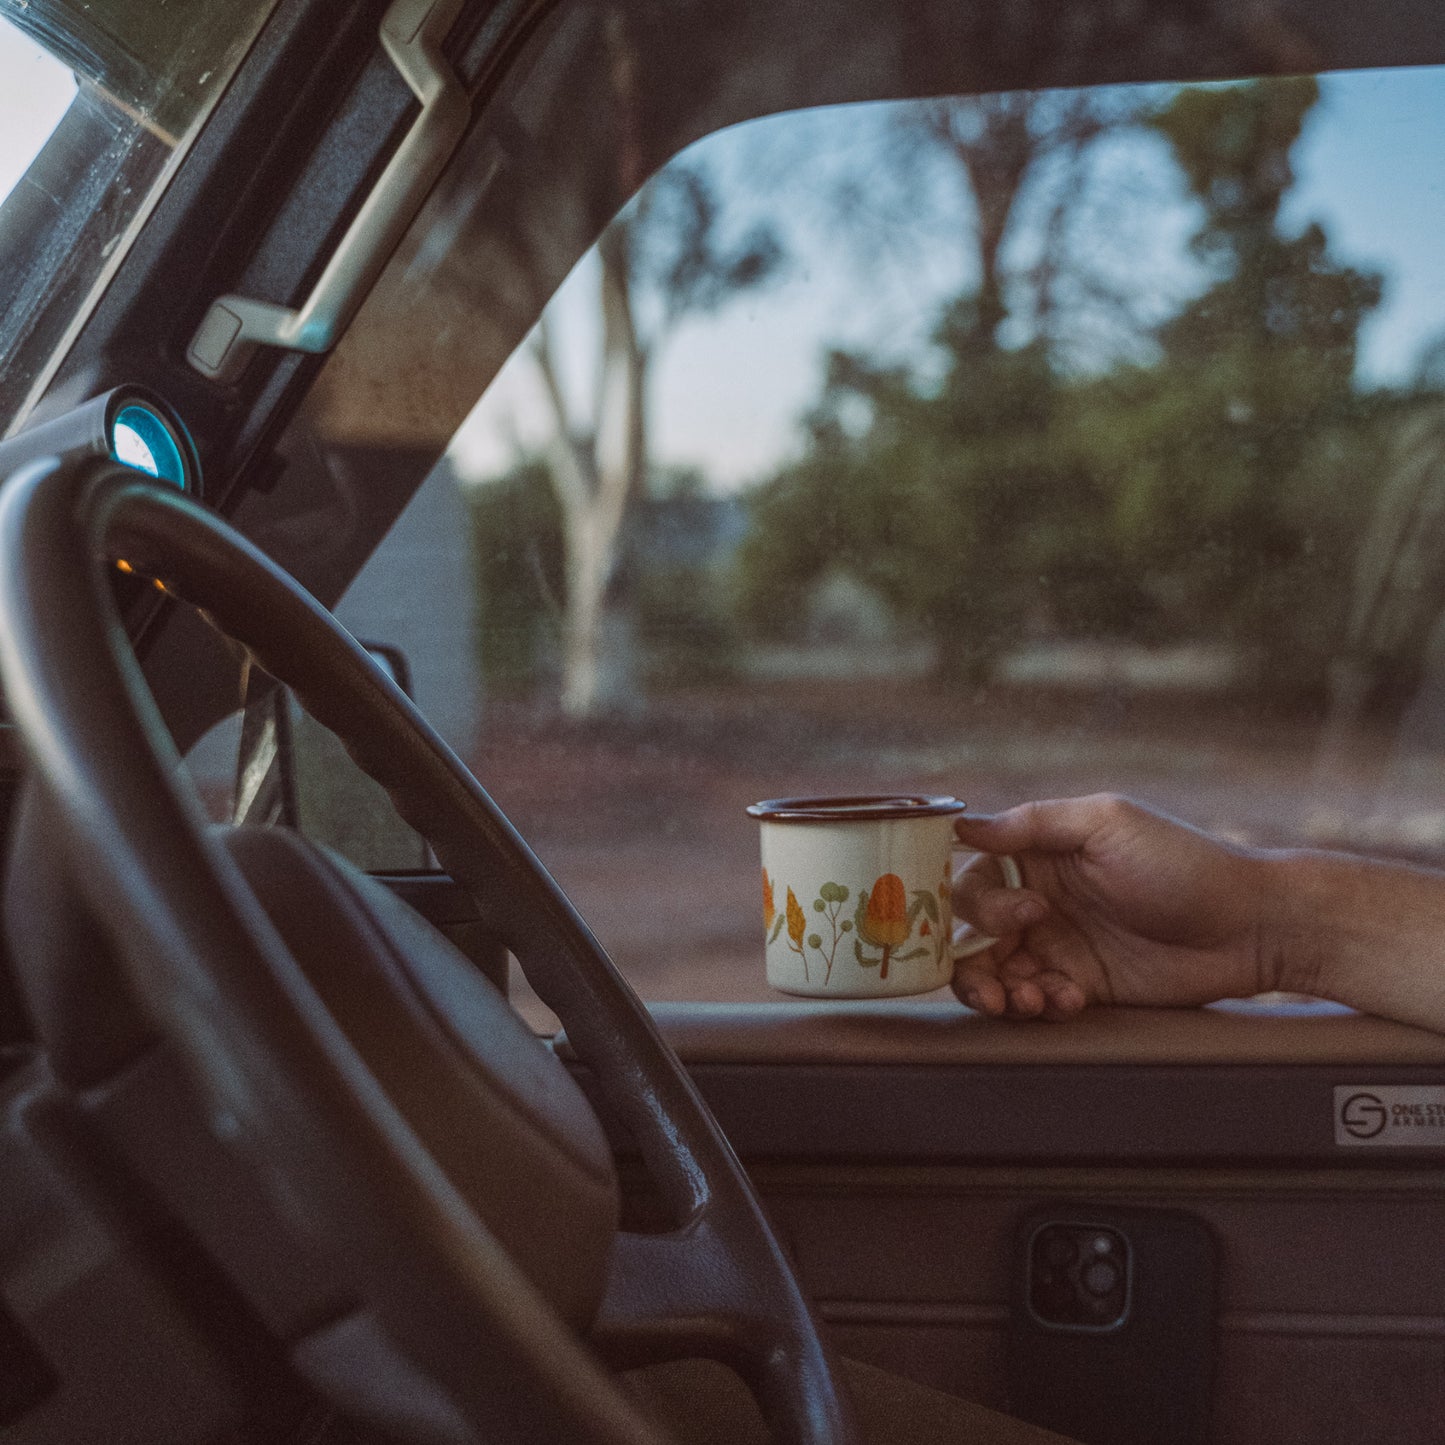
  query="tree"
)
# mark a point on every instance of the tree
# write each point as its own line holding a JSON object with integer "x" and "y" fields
{"x": 665, "y": 258}
{"x": 1001, "y": 146}
{"x": 1198, "y": 492}
{"x": 944, "y": 482}
{"x": 1006, "y": 182}
{"x": 514, "y": 213}
{"x": 1236, "y": 485}
{"x": 966, "y": 503}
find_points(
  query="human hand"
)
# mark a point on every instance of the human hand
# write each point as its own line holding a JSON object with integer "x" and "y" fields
{"x": 1119, "y": 905}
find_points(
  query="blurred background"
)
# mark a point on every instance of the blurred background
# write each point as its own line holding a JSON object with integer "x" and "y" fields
{"x": 1017, "y": 446}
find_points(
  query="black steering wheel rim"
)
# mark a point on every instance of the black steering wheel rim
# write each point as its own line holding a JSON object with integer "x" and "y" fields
{"x": 209, "y": 966}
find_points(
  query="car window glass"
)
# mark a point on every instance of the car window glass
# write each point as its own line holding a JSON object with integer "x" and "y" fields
{"x": 39, "y": 91}
{"x": 97, "y": 103}
{"x": 1012, "y": 446}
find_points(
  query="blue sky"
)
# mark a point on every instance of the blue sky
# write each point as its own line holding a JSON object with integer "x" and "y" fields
{"x": 1371, "y": 166}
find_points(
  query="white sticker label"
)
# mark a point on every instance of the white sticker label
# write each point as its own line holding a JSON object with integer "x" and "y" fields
{"x": 1398, "y": 1116}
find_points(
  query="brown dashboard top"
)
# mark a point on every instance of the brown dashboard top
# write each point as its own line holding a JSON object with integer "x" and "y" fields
{"x": 907, "y": 1032}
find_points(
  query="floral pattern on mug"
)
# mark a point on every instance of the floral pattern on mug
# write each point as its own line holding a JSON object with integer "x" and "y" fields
{"x": 797, "y": 926}
{"x": 858, "y": 907}
{"x": 829, "y": 902}
{"x": 885, "y": 920}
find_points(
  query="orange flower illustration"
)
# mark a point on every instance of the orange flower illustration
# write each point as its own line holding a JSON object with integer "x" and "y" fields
{"x": 770, "y": 912}
{"x": 885, "y": 922}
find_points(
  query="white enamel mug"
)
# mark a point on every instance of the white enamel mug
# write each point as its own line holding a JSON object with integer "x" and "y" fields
{"x": 857, "y": 894}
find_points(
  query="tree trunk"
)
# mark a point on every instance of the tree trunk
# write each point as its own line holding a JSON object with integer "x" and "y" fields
{"x": 582, "y": 625}
{"x": 594, "y": 477}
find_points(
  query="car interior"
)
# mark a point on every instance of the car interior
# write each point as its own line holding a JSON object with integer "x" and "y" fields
{"x": 350, "y": 1097}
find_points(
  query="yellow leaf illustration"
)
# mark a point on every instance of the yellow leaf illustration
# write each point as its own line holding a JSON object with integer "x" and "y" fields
{"x": 797, "y": 924}
{"x": 770, "y": 912}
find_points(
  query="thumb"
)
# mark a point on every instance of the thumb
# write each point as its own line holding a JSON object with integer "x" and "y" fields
{"x": 1059, "y": 826}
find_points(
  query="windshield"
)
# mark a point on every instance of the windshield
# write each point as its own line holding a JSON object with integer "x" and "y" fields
{"x": 1011, "y": 446}
{"x": 97, "y": 103}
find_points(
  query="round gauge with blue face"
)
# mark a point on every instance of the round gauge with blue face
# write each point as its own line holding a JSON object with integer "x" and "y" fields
{"x": 143, "y": 438}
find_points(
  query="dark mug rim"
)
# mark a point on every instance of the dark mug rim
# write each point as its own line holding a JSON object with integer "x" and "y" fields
{"x": 857, "y": 808}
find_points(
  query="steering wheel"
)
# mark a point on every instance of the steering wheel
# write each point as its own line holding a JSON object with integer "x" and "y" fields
{"x": 300, "y": 1091}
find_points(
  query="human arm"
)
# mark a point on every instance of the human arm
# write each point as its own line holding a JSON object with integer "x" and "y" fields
{"x": 1123, "y": 905}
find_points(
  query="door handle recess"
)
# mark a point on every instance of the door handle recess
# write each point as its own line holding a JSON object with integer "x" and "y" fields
{"x": 412, "y": 32}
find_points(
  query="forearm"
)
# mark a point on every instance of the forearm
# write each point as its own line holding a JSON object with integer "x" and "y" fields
{"x": 1359, "y": 932}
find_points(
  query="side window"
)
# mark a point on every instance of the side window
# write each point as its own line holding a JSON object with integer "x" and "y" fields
{"x": 414, "y": 606}
{"x": 418, "y": 594}
{"x": 96, "y": 103}
{"x": 39, "y": 91}
{"x": 1012, "y": 446}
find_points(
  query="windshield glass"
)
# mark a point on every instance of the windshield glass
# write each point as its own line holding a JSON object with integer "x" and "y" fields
{"x": 1011, "y": 446}
{"x": 97, "y": 102}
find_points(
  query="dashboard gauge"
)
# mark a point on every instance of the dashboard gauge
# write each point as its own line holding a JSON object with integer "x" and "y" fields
{"x": 128, "y": 423}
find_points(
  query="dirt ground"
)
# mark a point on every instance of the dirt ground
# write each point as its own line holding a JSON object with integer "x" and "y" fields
{"x": 641, "y": 820}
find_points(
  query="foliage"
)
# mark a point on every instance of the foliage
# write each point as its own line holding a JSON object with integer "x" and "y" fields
{"x": 683, "y": 625}
{"x": 1206, "y": 495}
{"x": 517, "y": 535}
{"x": 972, "y": 508}
{"x": 1255, "y": 416}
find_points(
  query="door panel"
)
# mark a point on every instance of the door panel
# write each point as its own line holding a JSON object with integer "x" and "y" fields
{"x": 896, "y": 1147}
{"x": 1330, "y": 1327}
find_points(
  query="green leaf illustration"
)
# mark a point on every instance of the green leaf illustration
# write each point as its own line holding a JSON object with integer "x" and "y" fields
{"x": 912, "y": 953}
{"x": 864, "y": 962}
{"x": 833, "y": 893}
{"x": 817, "y": 905}
{"x": 777, "y": 929}
{"x": 925, "y": 898}
{"x": 860, "y": 913}
{"x": 814, "y": 941}
{"x": 846, "y": 926}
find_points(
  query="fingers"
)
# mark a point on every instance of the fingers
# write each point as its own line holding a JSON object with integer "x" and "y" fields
{"x": 1020, "y": 988}
{"x": 1001, "y": 994}
{"x": 978, "y": 987}
{"x": 994, "y": 981}
{"x": 983, "y": 902}
{"x": 1063, "y": 998}
{"x": 1062, "y": 825}
{"x": 1039, "y": 968}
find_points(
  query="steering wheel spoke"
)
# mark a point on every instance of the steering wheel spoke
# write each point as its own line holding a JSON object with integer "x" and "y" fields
{"x": 676, "y": 1296}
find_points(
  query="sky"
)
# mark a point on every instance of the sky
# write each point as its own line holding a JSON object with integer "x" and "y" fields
{"x": 1371, "y": 167}
{"x": 728, "y": 389}
{"x": 34, "y": 92}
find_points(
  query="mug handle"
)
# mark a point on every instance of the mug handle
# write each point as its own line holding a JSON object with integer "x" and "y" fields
{"x": 976, "y": 942}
